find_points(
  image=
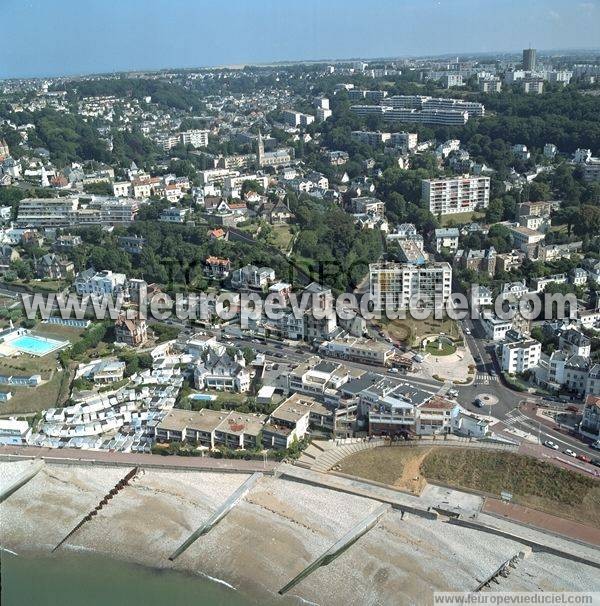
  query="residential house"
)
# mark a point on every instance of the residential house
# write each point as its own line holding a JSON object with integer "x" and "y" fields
{"x": 54, "y": 267}
{"x": 217, "y": 267}
{"x": 130, "y": 329}
{"x": 223, "y": 372}
{"x": 253, "y": 277}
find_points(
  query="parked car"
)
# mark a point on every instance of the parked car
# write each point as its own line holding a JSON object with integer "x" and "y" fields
{"x": 570, "y": 453}
{"x": 393, "y": 371}
{"x": 596, "y": 462}
{"x": 467, "y": 331}
{"x": 551, "y": 444}
{"x": 584, "y": 458}
{"x": 595, "y": 445}
{"x": 478, "y": 402}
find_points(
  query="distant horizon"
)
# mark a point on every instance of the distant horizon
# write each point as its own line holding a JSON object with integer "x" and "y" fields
{"x": 283, "y": 62}
{"x": 69, "y": 38}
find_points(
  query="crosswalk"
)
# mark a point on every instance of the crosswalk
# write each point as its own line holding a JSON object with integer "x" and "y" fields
{"x": 482, "y": 378}
{"x": 516, "y": 416}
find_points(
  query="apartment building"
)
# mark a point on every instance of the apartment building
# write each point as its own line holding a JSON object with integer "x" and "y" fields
{"x": 404, "y": 140}
{"x": 372, "y": 138}
{"x": 72, "y": 211}
{"x": 491, "y": 85}
{"x": 295, "y": 119}
{"x": 396, "y": 284}
{"x": 223, "y": 372}
{"x": 434, "y": 416}
{"x": 367, "y": 205}
{"x": 435, "y": 103}
{"x": 106, "y": 282}
{"x": 447, "y": 238}
{"x": 289, "y": 421}
{"x": 456, "y": 194}
{"x": 471, "y": 107}
{"x": 210, "y": 428}
{"x": 196, "y": 138}
{"x": 358, "y": 349}
{"x": 251, "y": 276}
{"x": 519, "y": 356}
{"x": 443, "y": 117}
{"x": 320, "y": 378}
{"x": 496, "y": 328}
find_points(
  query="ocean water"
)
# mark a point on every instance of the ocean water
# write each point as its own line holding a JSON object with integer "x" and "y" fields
{"x": 69, "y": 579}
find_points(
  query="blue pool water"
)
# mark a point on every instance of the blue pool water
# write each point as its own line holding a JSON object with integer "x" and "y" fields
{"x": 37, "y": 346}
{"x": 202, "y": 396}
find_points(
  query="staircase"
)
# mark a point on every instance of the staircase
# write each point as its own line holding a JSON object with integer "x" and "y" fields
{"x": 322, "y": 455}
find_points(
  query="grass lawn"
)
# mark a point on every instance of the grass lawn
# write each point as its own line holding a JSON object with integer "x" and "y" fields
{"x": 29, "y": 399}
{"x": 225, "y": 400}
{"x": 412, "y": 330}
{"x": 60, "y": 333}
{"x": 434, "y": 349}
{"x": 282, "y": 236}
{"x": 533, "y": 483}
{"x": 460, "y": 218}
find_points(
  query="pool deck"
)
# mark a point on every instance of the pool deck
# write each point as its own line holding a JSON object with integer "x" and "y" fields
{"x": 29, "y": 344}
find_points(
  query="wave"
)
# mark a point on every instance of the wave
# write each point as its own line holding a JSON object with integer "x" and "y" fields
{"x": 220, "y": 581}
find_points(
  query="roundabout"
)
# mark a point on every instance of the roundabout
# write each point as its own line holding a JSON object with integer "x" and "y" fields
{"x": 486, "y": 399}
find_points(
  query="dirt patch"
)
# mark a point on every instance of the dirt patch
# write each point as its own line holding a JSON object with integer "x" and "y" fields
{"x": 398, "y": 466}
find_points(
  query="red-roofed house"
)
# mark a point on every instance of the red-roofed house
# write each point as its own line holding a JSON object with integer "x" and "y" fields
{"x": 218, "y": 234}
{"x": 217, "y": 267}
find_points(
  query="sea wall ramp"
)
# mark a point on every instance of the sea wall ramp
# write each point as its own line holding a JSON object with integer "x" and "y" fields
{"x": 219, "y": 514}
{"x": 340, "y": 546}
{"x": 27, "y": 475}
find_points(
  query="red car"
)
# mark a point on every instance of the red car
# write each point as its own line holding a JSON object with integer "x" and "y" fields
{"x": 584, "y": 458}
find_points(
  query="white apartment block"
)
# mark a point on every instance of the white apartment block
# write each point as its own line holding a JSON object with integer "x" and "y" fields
{"x": 520, "y": 356}
{"x": 456, "y": 194}
{"x": 447, "y": 117}
{"x": 405, "y": 140}
{"x": 372, "y": 138}
{"x": 358, "y": 349}
{"x": 492, "y": 85}
{"x": 297, "y": 118}
{"x": 196, "y": 138}
{"x": 435, "y": 103}
{"x": 398, "y": 284}
{"x": 496, "y": 328}
{"x": 101, "y": 283}
{"x": 72, "y": 212}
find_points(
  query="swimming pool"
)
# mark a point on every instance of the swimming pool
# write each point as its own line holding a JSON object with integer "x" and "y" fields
{"x": 36, "y": 346}
{"x": 204, "y": 397}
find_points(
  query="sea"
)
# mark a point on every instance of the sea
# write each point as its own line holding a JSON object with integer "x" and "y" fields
{"x": 76, "y": 579}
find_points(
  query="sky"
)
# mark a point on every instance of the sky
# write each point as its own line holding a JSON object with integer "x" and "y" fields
{"x": 65, "y": 37}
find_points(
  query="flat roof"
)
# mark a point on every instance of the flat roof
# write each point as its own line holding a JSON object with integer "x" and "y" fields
{"x": 200, "y": 420}
{"x": 294, "y": 408}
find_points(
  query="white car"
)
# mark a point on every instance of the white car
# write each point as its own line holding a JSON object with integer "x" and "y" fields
{"x": 570, "y": 453}
{"x": 551, "y": 444}
{"x": 467, "y": 331}
{"x": 393, "y": 371}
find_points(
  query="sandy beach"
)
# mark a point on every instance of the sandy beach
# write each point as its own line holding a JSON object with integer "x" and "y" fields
{"x": 270, "y": 536}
